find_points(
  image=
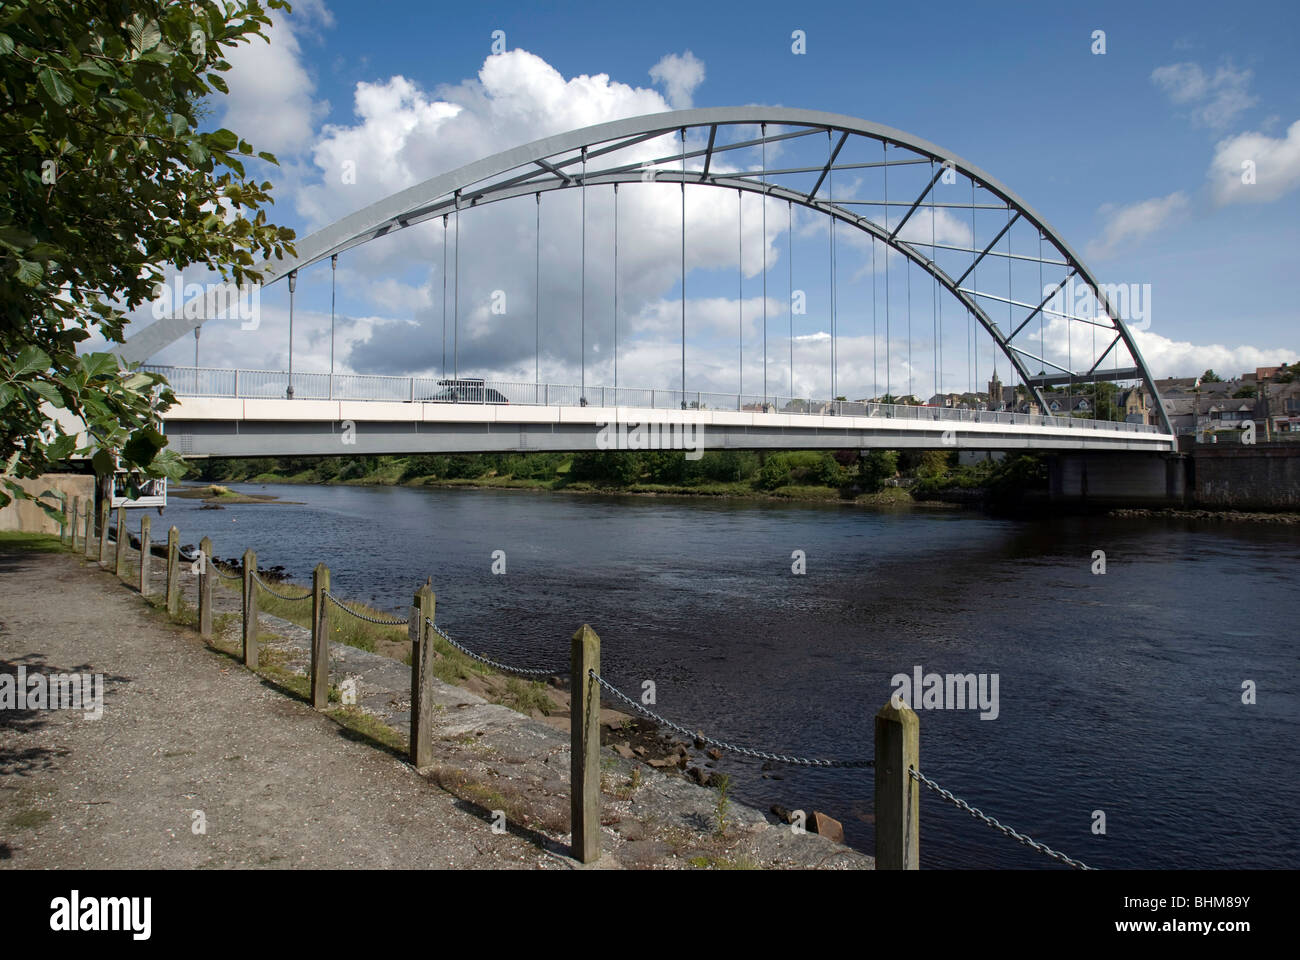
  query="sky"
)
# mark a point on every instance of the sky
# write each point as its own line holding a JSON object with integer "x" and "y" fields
{"x": 1130, "y": 143}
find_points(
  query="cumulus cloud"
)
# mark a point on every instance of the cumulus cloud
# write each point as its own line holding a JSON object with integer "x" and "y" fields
{"x": 1135, "y": 221}
{"x": 271, "y": 102}
{"x": 1255, "y": 168}
{"x": 679, "y": 75}
{"x": 1214, "y": 99}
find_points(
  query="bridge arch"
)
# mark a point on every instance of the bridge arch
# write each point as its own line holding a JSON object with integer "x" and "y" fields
{"x": 563, "y": 161}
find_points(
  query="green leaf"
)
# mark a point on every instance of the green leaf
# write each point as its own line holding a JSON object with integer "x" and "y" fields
{"x": 223, "y": 139}
{"x": 143, "y": 446}
{"x": 31, "y": 360}
{"x": 47, "y": 391}
{"x": 104, "y": 461}
{"x": 54, "y": 85}
{"x": 61, "y": 447}
{"x": 29, "y": 273}
{"x": 98, "y": 364}
{"x": 6, "y": 45}
{"x": 15, "y": 238}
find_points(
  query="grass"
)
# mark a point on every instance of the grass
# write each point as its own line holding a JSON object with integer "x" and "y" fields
{"x": 527, "y": 696}
{"x": 30, "y": 819}
{"x": 38, "y": 542}
{"x": 723, "y": 805}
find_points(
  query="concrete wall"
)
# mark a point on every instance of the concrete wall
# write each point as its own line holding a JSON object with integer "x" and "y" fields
{"x": 31, "y": 518}
{"x": 1262, "y": 476}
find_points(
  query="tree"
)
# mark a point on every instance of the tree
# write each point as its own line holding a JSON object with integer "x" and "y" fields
{"x": 1209, "y": 376}
{"x": 107, "y": 180}
{"x": 1245, "y": 390}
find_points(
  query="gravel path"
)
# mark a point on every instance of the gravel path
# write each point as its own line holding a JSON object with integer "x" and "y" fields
{"x": 188, "y": 733}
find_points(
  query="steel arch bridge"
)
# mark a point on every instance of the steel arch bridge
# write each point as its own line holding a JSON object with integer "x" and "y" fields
{"x": 605, "y": 154}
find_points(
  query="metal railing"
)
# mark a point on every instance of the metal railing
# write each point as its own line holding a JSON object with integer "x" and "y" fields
{"x": 275, "y": 384}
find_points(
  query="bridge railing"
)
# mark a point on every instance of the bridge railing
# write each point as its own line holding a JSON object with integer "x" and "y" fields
{"x": 272, "y": 384}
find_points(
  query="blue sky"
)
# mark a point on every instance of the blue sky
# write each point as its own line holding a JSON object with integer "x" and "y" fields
{"x": 1131, "y": 154}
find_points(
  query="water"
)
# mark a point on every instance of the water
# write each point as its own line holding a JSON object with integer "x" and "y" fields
{"x": 1120, "y": 693}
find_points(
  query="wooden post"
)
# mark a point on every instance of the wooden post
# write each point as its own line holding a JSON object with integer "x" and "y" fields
{"x": 173, "y": 570}
{"x": 320, "y": 637}
{"x": 146, "y": 554}
{"x": 422, "y": 657}
{"x": 250, "y": 610}
{"x": 898, "y": 796}
{"x": 206, "y": 573}
{"x": 76, "y": 510}
{"x": 120, "y": 543}
{"x": 584, "y": 724}
{"x": 103, "y": 531}
{"x": 90, "y": 524}
{"x": 63, "y": 520}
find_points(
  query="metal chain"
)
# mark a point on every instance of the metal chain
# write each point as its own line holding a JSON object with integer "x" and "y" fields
{"x": 996, "y": 825}
{"x": 262, "y": 583}
{"x": 722, "y": 744}
{"x": 504, "y": 667}
{"x": 383, "y": 622}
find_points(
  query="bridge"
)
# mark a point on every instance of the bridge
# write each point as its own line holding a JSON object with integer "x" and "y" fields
{"x": 930, "y": 214}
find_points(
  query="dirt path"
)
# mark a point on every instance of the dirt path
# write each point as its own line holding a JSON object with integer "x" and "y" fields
{"x": 186, "y": 729}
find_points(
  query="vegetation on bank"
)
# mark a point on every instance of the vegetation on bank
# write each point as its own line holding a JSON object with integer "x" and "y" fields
{"x": 874, "y": 477}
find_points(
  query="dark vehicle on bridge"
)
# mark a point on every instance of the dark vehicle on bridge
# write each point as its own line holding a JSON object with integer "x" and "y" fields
{"x": 465, "y": 391}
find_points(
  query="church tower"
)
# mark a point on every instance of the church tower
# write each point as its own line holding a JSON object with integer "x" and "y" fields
{"x": 995, "y": 392}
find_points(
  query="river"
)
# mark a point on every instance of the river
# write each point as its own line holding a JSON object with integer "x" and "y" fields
{"x": 1118, "y": 692}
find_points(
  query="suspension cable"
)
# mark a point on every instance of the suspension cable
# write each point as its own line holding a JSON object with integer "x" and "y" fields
{"x": 582, "y": 283}
{"x": 455, "y": 301}
{"x": 934, "y": 291}
{"x": 444, "y": 296}
{"x": 537, "y": 295}
{"x": 616, "y": 293}
{"x": 884, "y": 152}
{"x": 683, "y": 133}
{"x": 789, "y": 229}
{"x": 334, "y": 266}
{"x": 830, "y": 198}
{"x": 763, "y": 134}
{"x": 740, "y": 283}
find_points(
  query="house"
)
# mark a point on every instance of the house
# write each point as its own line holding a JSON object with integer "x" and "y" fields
{"x": 1137, "y": 405}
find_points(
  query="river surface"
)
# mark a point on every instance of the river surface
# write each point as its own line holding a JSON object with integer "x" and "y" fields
{"x": 1120, "y": 693}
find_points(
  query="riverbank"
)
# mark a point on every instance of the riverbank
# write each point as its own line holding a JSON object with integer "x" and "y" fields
{"x": 180, "y": 712}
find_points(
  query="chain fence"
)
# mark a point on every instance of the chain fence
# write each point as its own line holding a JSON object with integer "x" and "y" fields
{"x": 694, "y": 735}
{"x": 380, "y": 621}
{"x": 723, "y": 744}
{"x": 263, "y": 584}
{"x": 996, "y": 824}
{"x": 495, "y": 664}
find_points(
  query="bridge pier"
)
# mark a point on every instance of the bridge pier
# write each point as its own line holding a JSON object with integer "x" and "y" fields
{"x": 1104, "y": 479}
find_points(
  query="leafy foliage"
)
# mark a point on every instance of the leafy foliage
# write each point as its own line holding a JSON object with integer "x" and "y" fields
{"x": 107, "y": 181}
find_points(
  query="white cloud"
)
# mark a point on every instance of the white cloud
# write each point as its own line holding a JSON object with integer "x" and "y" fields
{"x": 1135, "y": 221}
{"x": 271, "y": 101}
{"x": 1179, "y": 358}
{"x": 1276, "y": 162}
{"x": 1214, "y": 99}
{"x": 679, "y": 75}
